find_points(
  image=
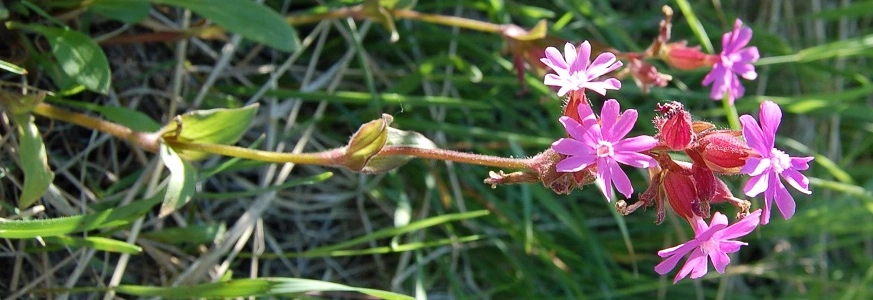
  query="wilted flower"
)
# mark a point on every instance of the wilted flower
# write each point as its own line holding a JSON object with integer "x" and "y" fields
{"x": 734, "y": 60}
{"x": 714, "y": 240}
{"x": 574, "y": 73}
{"x": 765, "y": 170}
{"x": 604, "y": 145}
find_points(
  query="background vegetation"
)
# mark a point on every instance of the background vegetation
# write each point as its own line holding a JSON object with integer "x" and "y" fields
{"x": 430, "y": 228}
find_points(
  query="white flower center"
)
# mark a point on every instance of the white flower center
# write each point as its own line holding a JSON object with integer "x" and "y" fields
{"x": 779, "y": 161}
{"x": 709, "y": 246}
{"x": 604, "y": 149}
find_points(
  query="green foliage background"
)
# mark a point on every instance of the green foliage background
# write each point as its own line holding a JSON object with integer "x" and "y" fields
{"x": 433, "y": 229}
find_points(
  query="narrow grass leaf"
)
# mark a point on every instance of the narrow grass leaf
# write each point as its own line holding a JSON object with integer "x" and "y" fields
{"x": 12, "y": 68}
{"x": 127, "y": 11}
{"x": 79, "y": 57}
{"x": 183, "y": 178}
{"x": 390, "y": 232}
{"x": 251, "y": 287}
{"x": 252, "y": 192}
{"x": 246, "y": 18}
{"x": 350, "y": 97}
{"x": 695, "y": 25}
{"x": 112, "y": 217}
{"x": 95, "y": 242}
{"x": 213, "y": 126}
{"x": 34, "y": 161}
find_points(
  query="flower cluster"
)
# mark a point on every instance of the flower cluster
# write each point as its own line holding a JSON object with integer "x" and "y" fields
{"x": 597, "y": 146}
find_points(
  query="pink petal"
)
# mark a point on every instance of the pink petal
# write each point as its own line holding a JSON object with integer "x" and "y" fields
{"x": 801, "y": 163}
{"x": 635, "y": 159}
{"x": 600, "y": 87}
{"x": 622, "y": 182}
{"x": 567, "y": 146}
{"x": 754, "y": 135}
{"x": 730, "y": 246}
{"x": 624, "y": 125}
{"x": 574, "y": 163}
{"x": 572, "y": 127}
{"x": 555, "y": 61}
{"x": 720, "y": 260}
{"x": 743, "y": 227}
{"x": 770, "y": 117}
{"x": 797, "y": 180}
{"x": 636, "y": 144}
{"x": 755, "y": 166}
{"x": 604, "y": 63}
{"x": 604, "y": 172}
{"x": 584, "y": 56}
{"x": 674, "y": 254}
{"x": 570, "y": 56}
{"x": 757, "y": 184}
{"x": 608, "y": 118}
{"x": 586, "y": 114}
{"x": 784, "y": 200}
{"x": 696, "y": 265}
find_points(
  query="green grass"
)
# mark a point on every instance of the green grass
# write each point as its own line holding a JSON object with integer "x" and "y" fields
{"x": 431, "y": 228}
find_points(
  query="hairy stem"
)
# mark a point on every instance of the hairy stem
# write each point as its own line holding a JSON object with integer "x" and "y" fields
{"x": 456, "y": 156}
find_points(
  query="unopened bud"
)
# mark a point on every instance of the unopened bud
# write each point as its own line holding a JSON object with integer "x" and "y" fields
{"x": 674, "y": 126}
{"x": 681, "y": 193}
{"x": 723, "y": 152}
{"x": 682, "y": 57}
{"x": 365, "y": 143}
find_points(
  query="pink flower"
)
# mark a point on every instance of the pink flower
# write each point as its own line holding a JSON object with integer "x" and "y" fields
{"x": 734, "y": 60}
{"x": 715, "y": 241}
{"x": 576, "y": 74}
{"x": 604, "y": 146}
{"x": 765, "y": 171}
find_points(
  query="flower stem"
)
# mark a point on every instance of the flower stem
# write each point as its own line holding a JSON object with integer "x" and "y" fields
{"x": 325, "y": 158}
{"x": 730, "y": 112}
{"x": 147, "y": 141}
{"x": 456, "y": 156}
{"x": 447, "y": 20}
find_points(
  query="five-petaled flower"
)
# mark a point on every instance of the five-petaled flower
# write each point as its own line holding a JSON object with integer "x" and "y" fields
{"x": 574, "y": 72}
{"x": 773, "y": 163}
{"x": 603, "y": 145}
{"x": 734, "y": 60}
{"x": 715, "y": 241}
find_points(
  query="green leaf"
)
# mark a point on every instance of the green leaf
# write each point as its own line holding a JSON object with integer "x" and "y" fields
{"x": 12, "y": 68}
{"x": 79, "y": 57}
{"x": 95, "y": 242}
{"x": 34, "y": 161}
{"x": 251, "y": 287}
{"x": 127, "y": 11}
{"x": 183, "y": 178}
{"x": 214, "y": 126}
{"x": 131, "y": 118}
{"x": 25, "y": 229}
{"x": 247, "y": 18}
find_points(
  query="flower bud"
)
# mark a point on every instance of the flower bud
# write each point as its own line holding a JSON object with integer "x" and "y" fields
{"x": 678, "y": 55}
{"x": 680, "y": 192}
{"x": 674, "y": 127}
{"x": 646, "y": 75}
{"x": 723, "y": 152}
{"x": 366, "y": 143}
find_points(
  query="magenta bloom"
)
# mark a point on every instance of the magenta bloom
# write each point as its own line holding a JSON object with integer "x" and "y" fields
{"x": 715, "y": 241}
{"x": 734, "y": 60}
{"x": 603, "y": 145}
{"x": 765, "y": 171}
{"x": 574, "y": 73}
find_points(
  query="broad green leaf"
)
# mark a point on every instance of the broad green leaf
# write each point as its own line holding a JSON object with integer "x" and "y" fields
{"x": 34, "y": 161}
{"x": 183, "y": 178}
{"x": 128, "y": 11}
{"x": 251, "y": 287}
{"x": 79, "y": 57}
{"x": 245, "y": 17}
{"x": 133, "y": 119}
{"x": 214, "y": 126}
{"x": 59, "y": 226}
{"x": 192, "y": 235}
{"x": 95, "y": 242}
{"x": 12, "y": 68}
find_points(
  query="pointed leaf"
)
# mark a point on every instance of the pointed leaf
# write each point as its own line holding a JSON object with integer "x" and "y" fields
{"x": 245, "y": 17}
{"x": 183, "y": 178}
{"x": 214, "y": 126}
{"x": 26, "y": 229}
{"x": 79, "y": 57}
{"x": 34, "y": 161}
{"x": 95, "y": 242}
{"x": 252, "y": 287}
